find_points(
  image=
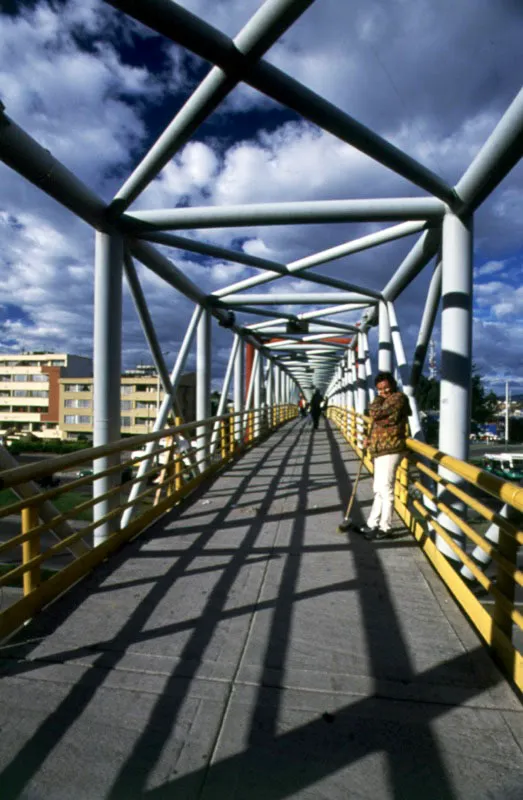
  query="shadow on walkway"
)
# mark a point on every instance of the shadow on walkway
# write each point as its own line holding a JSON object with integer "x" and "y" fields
{"x": 273, "y": 734}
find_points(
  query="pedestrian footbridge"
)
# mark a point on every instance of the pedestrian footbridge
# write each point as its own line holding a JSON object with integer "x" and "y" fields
{"x": 232, "y": 644}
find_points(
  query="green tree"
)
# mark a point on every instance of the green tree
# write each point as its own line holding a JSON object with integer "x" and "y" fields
{"x": 427, "y": 394}
{"x": 484, "y": 404}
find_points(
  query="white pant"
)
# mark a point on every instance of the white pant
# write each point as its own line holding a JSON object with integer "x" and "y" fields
{"x": 384, "y": 474}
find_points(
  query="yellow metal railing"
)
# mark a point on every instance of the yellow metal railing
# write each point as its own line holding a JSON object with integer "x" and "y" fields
{"x": 172, "y": 475}
{"x": 420, "y": 503}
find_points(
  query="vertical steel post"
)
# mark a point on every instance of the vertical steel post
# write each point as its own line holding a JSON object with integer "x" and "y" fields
{"x": 239, "y": 391}
{"x": 361, "y": 398}
{"x": 456, "y": 359}
{"x": 258, "y": 380}
{"x": 269, "y": 397}
{"x": 403, "y": 368}
{"x": 222, "y": 405}
{"x": 350, "y": 379}
{"x": 426, "y": 326}
{"x": 368, "y": 368}
{"x": 107, "y": 368}
{"x": 203, "y": 387}
{"x": 361, "y": 395}
{"x": 385, "y": 340}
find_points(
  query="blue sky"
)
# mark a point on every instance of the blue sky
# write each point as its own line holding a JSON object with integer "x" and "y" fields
{"x": 97, "y": 89}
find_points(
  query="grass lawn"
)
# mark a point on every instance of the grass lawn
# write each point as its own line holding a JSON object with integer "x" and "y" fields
{"x": 63, "y": 502}
{"x": 45, "y": 574}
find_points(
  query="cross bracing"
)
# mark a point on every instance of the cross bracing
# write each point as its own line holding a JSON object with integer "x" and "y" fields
{"x": 291, "y": 352}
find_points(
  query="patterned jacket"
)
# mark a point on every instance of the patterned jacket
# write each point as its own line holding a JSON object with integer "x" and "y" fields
{"x": 389, "y": 428}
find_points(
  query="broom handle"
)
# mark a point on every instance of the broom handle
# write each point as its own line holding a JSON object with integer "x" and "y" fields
{"x": 356, "y": 482}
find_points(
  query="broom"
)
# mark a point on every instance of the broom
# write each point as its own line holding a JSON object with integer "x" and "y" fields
{"x": 347, "y": 522}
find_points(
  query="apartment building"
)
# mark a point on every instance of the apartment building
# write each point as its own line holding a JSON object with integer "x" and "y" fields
{"x": 140, "y": 396}
{"x": 30, "y": 390}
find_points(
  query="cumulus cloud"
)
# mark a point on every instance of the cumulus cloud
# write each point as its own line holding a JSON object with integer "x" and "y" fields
{"x": 68, "y": 78}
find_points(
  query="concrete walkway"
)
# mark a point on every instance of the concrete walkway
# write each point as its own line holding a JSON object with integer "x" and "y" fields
{"x": 243, "y": 649}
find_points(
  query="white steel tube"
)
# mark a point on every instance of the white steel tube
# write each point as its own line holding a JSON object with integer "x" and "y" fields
{"x": 203, "y": 387}
{"x": 107, "y": 371}
{"x": 456, "y": 359}
{"x": 385, "y": 340}
{"x": 165, "y": 408}
{"x": 292, "y": 213}
{"x": 239, "y": 390}
{"x": 404, "y": 372}
{"x": 225, "y": 392}
{"x": 427, "y": 324}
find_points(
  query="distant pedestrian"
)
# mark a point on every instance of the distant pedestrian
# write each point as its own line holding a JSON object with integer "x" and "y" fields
{"x": 302, "y": 406}
{"x": 315, "y": 408}
{"x": 387, "y": 445}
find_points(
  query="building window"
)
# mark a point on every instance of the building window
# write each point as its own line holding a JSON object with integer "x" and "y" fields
{"x": 20, "y": 378}
{"x": 77, "y": 403}
{"x": 20, "y": 393}
{"x": 70, "y": 419}
{"x": 126, "y": 422}
{"x": 126, "y": 405}
{"x": 40, "y": 394}
{"x": 84, "y": 420}
{"x": 77, "y": 387}
{"x": 127, "y": 389}
{"x": 6, "y": 377}
{"x": 58, "y": 363}
{"x": 40, "y": 378}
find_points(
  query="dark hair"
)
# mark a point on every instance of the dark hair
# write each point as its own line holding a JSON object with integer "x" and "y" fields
{"x": 386, "y": 376}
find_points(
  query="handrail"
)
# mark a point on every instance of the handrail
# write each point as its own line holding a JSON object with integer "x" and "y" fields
{"x": 11, "y": 477}
{"x": 172, "y": 479}
{"x": 430, "y": 517}
{"x": 505, "y": 491}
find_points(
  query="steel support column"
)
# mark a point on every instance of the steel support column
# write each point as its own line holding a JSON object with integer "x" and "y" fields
{"x": 107, "y": 370}
{"x": 224, "y": 393}
{"x": 368, "y": 368}
{"x": 426, "y": 326}
{"x": 239, "y": 390}
{"x": 203, "y": 387}
{"x": 456, "y": 358}
{"x": 404, "y": 373}
{"x": 385, "y": 340}
{"x": 165, "y": 408}
{"x": 258, "y": 381}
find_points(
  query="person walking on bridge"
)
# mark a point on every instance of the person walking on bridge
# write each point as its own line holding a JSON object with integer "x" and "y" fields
{"x": 387, "y": 445}
{"x": 315, "y": 408}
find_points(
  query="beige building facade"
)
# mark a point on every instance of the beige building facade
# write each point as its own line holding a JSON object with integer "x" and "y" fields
{"x": 30, "y": 391}
{"x": 140, "y": 398}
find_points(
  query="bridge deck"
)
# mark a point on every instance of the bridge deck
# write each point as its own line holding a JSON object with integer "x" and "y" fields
{"x": 241, "y": 648}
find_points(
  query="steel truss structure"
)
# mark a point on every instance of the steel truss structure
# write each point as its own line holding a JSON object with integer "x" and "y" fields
{"x": 292, "y": 352}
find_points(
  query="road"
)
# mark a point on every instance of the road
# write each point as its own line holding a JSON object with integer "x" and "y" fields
{"x": 478, "y": 449}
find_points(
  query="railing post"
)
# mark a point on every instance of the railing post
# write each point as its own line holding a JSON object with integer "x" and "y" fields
{"x": 223, "y": 440}
{"x": 30, "y": 549}
{"x": 178, "y": 464}
{"x": 456, "y": 361}
{"x": 107, "y": 372}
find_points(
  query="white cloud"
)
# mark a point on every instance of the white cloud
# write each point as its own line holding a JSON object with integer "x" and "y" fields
{"x": 490, "y": 268}
{"x": 380, "y": 62}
